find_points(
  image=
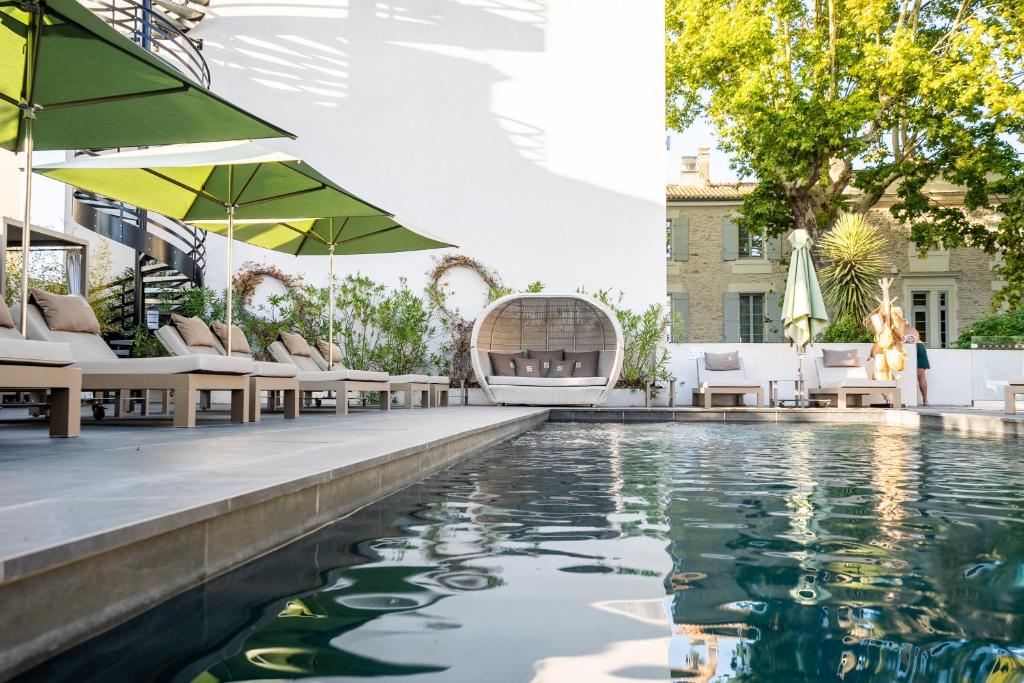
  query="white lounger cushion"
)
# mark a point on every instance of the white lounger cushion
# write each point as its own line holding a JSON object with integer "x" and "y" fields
{"x": 341, "y": 376}
{"x": 172, "y": 365}
{"x": 20, "y": 351}
{"x": 548, "y": 381}
{"x": 419, "y": 379}
{"x": 173, "y": 342}
{"x": 857, "y": 383}
{"x": 738, "y": 382}
{"x": 271, "y": 369}
{"x": 1016, "y": 381}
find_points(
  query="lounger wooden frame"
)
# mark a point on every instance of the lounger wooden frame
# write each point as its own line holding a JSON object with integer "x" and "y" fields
{"x": 412, "y": 390}
{"x": 65, "y": 387}
{"x": 341, "y": 387}
{"x": 288, "y": 386}
{"x": 185, "y": 388}
{"x": 439, "y": 395}
{"x": 704, "y": 396}
{"x": 853, "y": 397}
{"x": 1010, "y": 395}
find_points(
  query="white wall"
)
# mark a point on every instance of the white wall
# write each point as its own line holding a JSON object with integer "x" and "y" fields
{"x": 529, "y": 132}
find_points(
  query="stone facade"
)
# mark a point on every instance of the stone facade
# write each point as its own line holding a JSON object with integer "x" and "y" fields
{"x": 951, "y": 289}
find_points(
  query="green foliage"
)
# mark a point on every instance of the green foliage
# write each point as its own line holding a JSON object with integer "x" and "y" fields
{"x": 846, "y": 329}
{"x": 850, "y": 280}
{"x": 1005, "y": 325}
{"x": 147, "y": 345}
{"x": 799, "y": 92}
{"x": 645, "y": 354}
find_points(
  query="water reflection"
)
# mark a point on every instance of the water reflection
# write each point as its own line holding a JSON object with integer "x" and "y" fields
{"x": 613, "y": 553}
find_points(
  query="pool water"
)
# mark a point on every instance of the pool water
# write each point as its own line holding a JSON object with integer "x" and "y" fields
{"x": 591, "y": 553}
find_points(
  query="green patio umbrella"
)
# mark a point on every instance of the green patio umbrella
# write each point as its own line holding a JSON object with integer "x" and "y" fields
{"x": 212, "y": 182}
{"x": 68, "y": 80}
{"x": 345, "y": 235}
{"x": 803, "y": 312}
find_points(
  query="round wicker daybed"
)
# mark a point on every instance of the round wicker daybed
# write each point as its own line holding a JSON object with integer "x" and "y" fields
{"x": 545, "y": 324}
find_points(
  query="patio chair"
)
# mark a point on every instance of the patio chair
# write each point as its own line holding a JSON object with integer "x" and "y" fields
{"x": 293, "y": 349}
{"x": 272, "y": 378}
{"x": 843, "y": 380}
{"x": 29, "y": 365}
{"x": 103, "y": 371}
{"x": 1013, "y": 389}
{"x": 724, "y": 375}
{"x": 432, "y": 390}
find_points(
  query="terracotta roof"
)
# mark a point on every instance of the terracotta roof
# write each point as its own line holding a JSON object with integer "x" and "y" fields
{"x": 709, "y": 192}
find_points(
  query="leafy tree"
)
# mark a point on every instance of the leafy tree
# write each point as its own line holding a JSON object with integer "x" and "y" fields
{"x": 1006, "y": 325}
{"x": 909, "y": 90}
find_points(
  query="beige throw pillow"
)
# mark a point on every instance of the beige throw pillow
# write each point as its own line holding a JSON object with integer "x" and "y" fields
{"x": 720, "y": 362}
{"x": 840, "y": 358}
{"x": 296, "y": 345}
{"x": 6, "y": 319}
{"x": 239, "y": 344}
{"x": 193, "y": 330}
{"x": 326, "y": 349}
{"x": 66, "y": 313}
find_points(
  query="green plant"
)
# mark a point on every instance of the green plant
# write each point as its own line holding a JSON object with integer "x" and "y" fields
{"x": 645, "y": 355}
{"x": 846, "y": 329}
{"x": 147, "y": 345}
{"x": 850, "y": 279}
{"x": 1004, "y": 325}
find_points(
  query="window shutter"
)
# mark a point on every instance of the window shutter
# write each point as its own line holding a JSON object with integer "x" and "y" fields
{"x": 680, "y": 317}
{"x": 730, "y": 239}
{"x": 731, "y": 316}
{"x": 681, "y": 239}
{"x": 773, "y": 310}
{"x": 774, "y": 248}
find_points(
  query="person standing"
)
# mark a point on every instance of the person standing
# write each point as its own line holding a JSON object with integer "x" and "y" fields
{"x": 912, "y": 336}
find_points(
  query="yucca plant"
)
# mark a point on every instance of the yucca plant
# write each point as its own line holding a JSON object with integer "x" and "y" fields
{"x": 853, "y": 248}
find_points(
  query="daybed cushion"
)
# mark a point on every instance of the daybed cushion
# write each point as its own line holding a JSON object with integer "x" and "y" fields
{"x": 20, "y": 351}
{"x": 584, "y": 363}
{"x": 6, "y": 320}
{"x": 722, "y": 362}
{"x": 504, "y": 363}
{"x": 419, "y": 379}
{"x": 172, "y": 365}
{"x": 559, "y": 368}
{"x": 528, "y": 367}
{"x": 342, "y": 375}
{"x": 66, "y": 313}
{"x": 548, "y": 381}
{"x": 840, "y": 358}
{"x": 296, "y": 345}
{"x": 239, "y": 344}
{"x": 271, "y": 369}
{"x": 546, "y": 358}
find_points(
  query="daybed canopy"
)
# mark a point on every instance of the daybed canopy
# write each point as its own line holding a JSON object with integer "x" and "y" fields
{"x": 547, "y": 322}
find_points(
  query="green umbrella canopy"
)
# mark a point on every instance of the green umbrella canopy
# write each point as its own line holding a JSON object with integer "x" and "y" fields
{"x": 803, "y": 314}
{"x": 199, "y": 182}
{"x": 94, "y": 88}
{"x": 315, "y": 237}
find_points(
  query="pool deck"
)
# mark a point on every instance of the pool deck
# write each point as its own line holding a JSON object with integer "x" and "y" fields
{"x": 97, "y": 529}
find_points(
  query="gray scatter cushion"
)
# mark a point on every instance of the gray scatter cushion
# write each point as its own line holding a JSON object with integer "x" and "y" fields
{"x": 296, "y": 345}
{"x": 719, "y": 362}
{"x": 840, "y": 358}
{"x": 546, "y": 358}
{"x": 559, "y": 368}
{"x": 583, "y": 363}
{"x": 6, "y": 319}
{"x": 66, "y": 313}
{"x": 527, "y": 367}
{"x": 193, "y": 330}
{"x": 504, "y": 363}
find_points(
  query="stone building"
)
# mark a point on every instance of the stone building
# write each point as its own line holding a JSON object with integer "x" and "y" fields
{"x": 725, "y": 280}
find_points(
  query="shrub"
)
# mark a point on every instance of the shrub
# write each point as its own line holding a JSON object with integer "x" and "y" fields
{"x": 846, "y": 329}
{"x": 1004, "y": 325}
{"x": 645, "y": 354}
{"x": 850, "y": 280}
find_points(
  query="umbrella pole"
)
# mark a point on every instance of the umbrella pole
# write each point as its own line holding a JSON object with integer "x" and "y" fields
{"x": 330, "y": 319}
{"x": 800, "y": 385}
{"x": 231, "y": 241}
{"x": 29, "y": 115}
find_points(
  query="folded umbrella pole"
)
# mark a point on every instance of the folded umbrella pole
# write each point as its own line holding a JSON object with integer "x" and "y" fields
{"x": 803, "y": 316}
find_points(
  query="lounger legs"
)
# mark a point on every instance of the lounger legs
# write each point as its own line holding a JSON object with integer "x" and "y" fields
{"x": 185, "y": 407}
{"x": 341, "y": 400}
{"x": 257, "y": 385}
{"x": 385, "y": 399}
{"x": 65, "y": 408}
{"x": 438, "y": 396}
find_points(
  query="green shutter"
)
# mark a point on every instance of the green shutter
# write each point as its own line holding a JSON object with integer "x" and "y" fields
{"x": 680, "y": 317}
{"x": 731, "y": 316}
{"x": 730, "y": 239}
{"x": 773, "y": 311}
{"x": 681, "y": 239}
{"x": 774, "y": 248}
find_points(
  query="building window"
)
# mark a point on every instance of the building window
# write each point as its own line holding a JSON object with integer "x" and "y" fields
{"x": 751, "y": 318}
{"x": 751, "y": 242}
{"x": 668, "y": 239}
{"x": 929, "y": 314}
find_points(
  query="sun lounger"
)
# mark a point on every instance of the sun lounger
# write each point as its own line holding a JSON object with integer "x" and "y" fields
{"x": 847, "y": 385}
{"x": 185, "y": 376}
{"x": 431, "y": 390}
{"x": 313, "y": 379}
{"x": 269, "y": 377}
{"x": 30, "y": 365}
{"x": 1014, "y": 389}
{"x": 730, "y": 382}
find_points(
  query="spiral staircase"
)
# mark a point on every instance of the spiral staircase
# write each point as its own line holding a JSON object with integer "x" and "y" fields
{"x": 170, "y": 255}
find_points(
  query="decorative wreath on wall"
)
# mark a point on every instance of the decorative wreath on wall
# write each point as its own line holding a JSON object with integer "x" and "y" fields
{"x": 460, "y": 328}
{"x": 251, "y": 274}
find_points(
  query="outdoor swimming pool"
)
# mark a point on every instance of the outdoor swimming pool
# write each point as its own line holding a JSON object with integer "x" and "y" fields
{"x": 631, "y": 553}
